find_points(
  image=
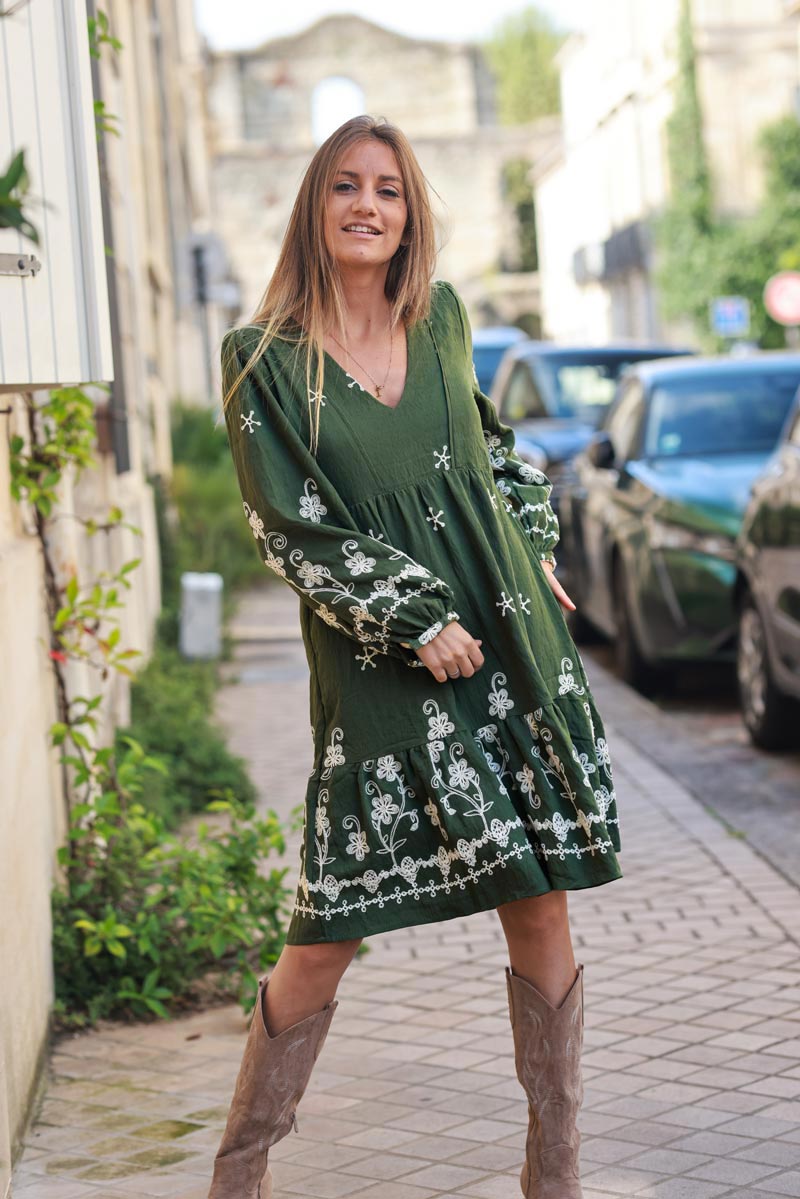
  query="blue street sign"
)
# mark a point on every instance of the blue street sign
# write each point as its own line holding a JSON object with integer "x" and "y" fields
{"x": 730, "y": 316}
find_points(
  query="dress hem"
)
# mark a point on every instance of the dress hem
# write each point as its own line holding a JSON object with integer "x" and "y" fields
{"x": 420, "y": 916}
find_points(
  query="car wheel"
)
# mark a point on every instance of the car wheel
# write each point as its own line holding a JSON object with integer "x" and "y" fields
{"x": 631, "y": 663}
{"x": 768, "y": 714}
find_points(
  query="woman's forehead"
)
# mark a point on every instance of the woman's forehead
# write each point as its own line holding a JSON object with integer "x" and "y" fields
{"x": 371, "y": 157}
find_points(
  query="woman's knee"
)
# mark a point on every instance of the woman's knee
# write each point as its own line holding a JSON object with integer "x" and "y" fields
{"x": 538, "y": 915}
{"x": 326, "y": 959}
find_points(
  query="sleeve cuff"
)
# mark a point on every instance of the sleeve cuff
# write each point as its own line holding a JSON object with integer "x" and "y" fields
{"x": 425, "y": 638}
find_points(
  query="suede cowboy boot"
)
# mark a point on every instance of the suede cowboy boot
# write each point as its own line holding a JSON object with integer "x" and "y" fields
{"x": 547, "y": 1051}
{"x": 272, "y": 1078}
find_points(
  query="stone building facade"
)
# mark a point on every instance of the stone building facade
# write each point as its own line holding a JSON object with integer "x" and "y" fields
{"x": 271, "y": 106}
{"x": 598, "y": 189}
{"x": 142, "y": 200}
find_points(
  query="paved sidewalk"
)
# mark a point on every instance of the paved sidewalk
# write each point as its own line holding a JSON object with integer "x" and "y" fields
{"x": 692, "y": 1063}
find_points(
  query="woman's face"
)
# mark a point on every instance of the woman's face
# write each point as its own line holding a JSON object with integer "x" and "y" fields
{"x": 366, "y": 210}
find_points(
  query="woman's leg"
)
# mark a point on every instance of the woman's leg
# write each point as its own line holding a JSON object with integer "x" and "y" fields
{"x": 294, "y": 1010}
{"x": 545, "y": 1000}
{"x": 303, "y": 980}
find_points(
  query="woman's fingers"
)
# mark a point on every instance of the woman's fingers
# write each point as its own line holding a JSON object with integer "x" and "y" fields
{"x": 453, "y": 654}
{"x": 556, "y": 588}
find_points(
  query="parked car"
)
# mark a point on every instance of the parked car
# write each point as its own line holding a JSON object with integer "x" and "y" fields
{"x": 488, "y": 347}
{"x": 649, "y": 524}
{"x": 768, "y": 598}
{"x": 556, "y": 396}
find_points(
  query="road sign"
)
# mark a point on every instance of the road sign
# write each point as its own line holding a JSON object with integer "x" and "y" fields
{"x": 782, "y": 297}
{"x": 730, "y": 316}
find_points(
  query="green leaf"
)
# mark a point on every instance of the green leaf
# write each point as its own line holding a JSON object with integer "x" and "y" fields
{"x": 71, "y": 589}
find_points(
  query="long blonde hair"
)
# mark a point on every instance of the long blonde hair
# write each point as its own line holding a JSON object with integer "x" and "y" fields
{"x": 304, "y": 296}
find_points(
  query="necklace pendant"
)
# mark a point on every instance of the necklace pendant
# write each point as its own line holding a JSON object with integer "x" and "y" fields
{"x": 378, "y": 391}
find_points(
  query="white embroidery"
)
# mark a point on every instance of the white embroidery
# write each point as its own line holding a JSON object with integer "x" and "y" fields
{"x": 248, "y": 422}
{"x": 523, "y": 600}
{"x": 435, "y": 519}
{"x": 566, "y": 680}
{"x": 353, "y": 382}
{"x": 455, "y": 784}
{"x": 500, "y": 703}
{"x": 505, "y": 604}
{"x": 358, "y": 563}
{"x": 317, "y": 396}
{"x": 311, "y": 506}
{"x": 442, "y": 457}
{"x": 430, "y": 633}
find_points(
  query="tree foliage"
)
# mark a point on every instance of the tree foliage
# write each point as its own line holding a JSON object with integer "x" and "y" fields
{"x": 704, "y": 255}
{"x": 521, "y": 54}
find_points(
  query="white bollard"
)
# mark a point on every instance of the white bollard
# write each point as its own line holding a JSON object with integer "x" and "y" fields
{"x": 201, "y": 615}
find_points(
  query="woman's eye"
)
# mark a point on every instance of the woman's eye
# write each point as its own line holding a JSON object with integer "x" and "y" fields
{"x": 390, "y": 192}
{"x": 340, "y": 187}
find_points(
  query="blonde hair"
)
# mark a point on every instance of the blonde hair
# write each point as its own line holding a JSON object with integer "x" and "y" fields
{"x": 304, "y": 296}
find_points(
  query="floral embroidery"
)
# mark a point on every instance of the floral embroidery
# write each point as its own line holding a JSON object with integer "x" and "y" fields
{"x": 454, "y": 785}
{"x": 500, "y": 702}
{"x": 566, "y": 680}
{"x": 311, "y": 506}
{"x": 358, "y": 563}
{"x": 315, "y": 580}
{"x": 255, "y": 522}
{"x": 334, "y": 754}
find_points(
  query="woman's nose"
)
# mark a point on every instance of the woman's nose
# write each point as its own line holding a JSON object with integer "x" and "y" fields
{"x": 365, "y": 201}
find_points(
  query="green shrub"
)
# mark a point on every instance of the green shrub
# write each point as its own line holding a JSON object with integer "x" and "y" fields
{"x": 171, "y": 709}
{"x": 143, "y": 915}
{"x": 209, "y": 531}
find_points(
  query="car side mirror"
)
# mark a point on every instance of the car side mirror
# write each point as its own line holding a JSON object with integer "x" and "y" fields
{"x": 600, "y": 451}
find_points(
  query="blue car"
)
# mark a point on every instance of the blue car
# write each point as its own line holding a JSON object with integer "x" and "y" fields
{"x": 555, "y": 397}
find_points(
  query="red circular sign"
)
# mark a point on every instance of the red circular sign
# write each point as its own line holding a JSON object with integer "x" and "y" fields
{"x": 782, "y": 297}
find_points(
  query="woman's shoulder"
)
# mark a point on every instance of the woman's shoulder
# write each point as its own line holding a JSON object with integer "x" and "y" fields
{"x": 448, "y": 309}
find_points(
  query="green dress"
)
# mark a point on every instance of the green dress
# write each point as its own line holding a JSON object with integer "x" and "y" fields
{"x": 427, "y": 800}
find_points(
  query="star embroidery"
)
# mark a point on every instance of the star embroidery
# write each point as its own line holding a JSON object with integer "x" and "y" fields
{"x": 366, "y": 656}
{"x": 523, "y": 600}
{"x": 317, "y": 396}
{"x": 492, "y": 498}
{"x": 248, "y": 422}
{"x": 435, "y": 519}
{"x": 353, "y": 383}
{"x": 442, "y": 457}
{"x": 505, "y": 604}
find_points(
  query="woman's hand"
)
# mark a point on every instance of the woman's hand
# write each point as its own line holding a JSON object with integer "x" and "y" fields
{"x": 556, "y": 588}
{"x": 452, "y": 654}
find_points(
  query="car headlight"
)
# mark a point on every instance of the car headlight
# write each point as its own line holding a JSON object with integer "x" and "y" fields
{"x": 664, "y": 536}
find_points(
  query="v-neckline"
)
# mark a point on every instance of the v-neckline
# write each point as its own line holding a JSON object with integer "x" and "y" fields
{"x": 372, "y": 399}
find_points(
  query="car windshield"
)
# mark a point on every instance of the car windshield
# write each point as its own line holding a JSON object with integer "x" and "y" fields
{"x": 583, "y": 388}
{"x": 722, "y": 414}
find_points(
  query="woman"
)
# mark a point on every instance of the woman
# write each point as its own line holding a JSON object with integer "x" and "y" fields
{"x": 460, "y": 764}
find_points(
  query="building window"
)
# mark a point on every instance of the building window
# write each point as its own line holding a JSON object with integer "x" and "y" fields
{"x": 334, "y": 101}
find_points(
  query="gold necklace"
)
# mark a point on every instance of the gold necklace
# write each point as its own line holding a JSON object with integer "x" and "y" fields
{"x": 378, "y": 386}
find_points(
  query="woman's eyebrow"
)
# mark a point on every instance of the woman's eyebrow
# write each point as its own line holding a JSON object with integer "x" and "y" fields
{"x": 381, "y": 178}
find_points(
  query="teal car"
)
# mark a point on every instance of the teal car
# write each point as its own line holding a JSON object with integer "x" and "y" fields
{"x": 649, "y": 524}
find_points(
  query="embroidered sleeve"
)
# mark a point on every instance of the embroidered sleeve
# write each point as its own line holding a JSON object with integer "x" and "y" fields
{"x": 367, "y": 590}
{"x": 525, "y": 490}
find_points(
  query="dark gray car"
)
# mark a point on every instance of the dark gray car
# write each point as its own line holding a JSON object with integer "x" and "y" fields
{"x": 768, "y": 594}
{"x": 555, "y": 397}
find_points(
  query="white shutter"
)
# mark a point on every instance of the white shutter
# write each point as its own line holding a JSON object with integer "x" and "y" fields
{"x": 54, "y": 326}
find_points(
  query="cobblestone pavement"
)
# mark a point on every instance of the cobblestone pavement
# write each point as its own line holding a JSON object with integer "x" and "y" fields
{"x": 692, "y": 1062}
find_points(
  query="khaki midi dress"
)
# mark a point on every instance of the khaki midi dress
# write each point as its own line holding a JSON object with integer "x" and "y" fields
{"x": 427, "y": 800}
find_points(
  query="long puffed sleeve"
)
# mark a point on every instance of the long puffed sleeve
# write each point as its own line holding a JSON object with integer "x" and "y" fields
{"x": 526, "y": 489}
{"x": 370, "y": 592}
